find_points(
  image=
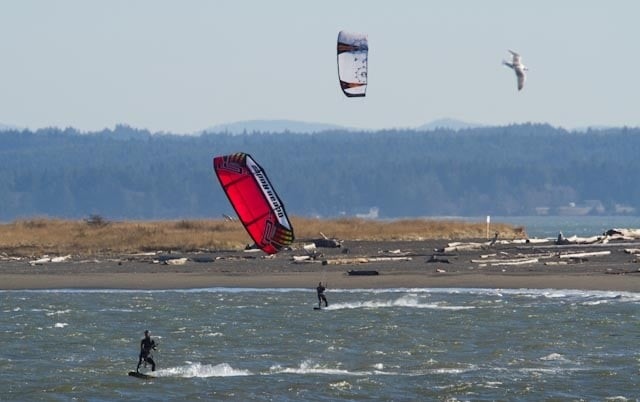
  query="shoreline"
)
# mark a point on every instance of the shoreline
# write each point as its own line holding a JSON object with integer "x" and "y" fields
{"x": 400, "y": 264}
{"x": 181, "y": 281}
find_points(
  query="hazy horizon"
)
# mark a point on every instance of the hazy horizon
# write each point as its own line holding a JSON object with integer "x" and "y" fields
{"x": 185, "y": 67}
{"x": 299, "y": 126}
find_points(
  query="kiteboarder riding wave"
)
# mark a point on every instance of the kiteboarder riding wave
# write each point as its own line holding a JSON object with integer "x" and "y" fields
{"x": 321, "y": 297}
{"x": 146, "y": 345}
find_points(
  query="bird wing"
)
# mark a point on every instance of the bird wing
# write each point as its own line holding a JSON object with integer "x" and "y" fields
{"x": 515, "y": 57}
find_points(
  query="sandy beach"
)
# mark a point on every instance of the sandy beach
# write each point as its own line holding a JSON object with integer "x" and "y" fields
{"x": 399, "y": 264}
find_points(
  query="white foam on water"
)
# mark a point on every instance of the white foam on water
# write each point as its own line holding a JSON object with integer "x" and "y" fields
{"x": 60, "y": 325}
{"x": 202, "y": 370}
{"x": 409, "y": 301}
{"x": 240, "y": 290}
{"x": 548, "y": 370}
{"x": 595, "y": 302}
{"x": 58, "y": 312}
{"x": 554, "y": 357}
{"x": 341, "y": 385}
{"x": 455, "y": 387}
{"x": 309, "y": 367}
{"x": 444, "y": 371}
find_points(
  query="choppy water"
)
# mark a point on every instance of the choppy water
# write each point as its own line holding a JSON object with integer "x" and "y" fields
{"x": 402, "y": 344}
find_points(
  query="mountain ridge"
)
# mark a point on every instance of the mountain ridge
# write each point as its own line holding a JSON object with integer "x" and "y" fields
{"x": 305, "y": 127}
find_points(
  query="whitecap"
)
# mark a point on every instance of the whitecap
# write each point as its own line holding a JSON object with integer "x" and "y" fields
{"x": 202, "y": 370}
{"x": 60, "y": 325}
{"x": 58, "y": 312}
{"x": 542, "y": 370}
{"x": 553, "y": 357}
{"x": 340, "y": 385}
{"x": 408, "y": 301}
{"x": 313, "y": 370}
{"x": 117, "y": 310}
{"x": 447, "y": 371}
{"x": 308, "y": 367}
{"x": 594, "y": 302}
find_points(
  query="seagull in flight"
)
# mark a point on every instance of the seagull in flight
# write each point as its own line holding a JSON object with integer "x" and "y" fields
{"x": 518, "y": 67}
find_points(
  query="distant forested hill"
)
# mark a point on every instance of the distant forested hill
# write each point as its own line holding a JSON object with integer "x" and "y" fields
{"x": 132, "y": 174}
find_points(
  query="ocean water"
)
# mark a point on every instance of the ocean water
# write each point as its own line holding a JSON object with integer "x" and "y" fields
{"x": 550, "y": 226}
{"x": 270, "y": 345}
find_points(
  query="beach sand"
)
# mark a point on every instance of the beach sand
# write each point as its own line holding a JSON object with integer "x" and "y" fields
{"x": 400, "y": 264}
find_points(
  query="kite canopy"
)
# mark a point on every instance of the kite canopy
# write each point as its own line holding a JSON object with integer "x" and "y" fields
{"x": 255, "y": 201}
{"x": 353, "y": 50}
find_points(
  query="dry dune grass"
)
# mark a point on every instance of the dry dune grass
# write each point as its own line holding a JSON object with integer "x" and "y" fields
{"x": 60, "y": 237}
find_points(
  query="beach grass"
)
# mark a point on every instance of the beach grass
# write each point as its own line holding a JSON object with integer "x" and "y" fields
{"x": 33, "y": 237}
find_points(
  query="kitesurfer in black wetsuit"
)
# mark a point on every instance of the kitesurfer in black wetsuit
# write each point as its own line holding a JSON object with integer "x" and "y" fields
{"x": 146, "y": 345}
{"x": 321, "y": 297}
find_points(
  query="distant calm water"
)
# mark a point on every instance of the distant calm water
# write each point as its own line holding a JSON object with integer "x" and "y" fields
{"x": 550, "y": 226}
{"x": 402, "y": 344}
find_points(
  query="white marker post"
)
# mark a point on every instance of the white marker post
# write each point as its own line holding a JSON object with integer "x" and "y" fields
{"x": 488, "y": 223}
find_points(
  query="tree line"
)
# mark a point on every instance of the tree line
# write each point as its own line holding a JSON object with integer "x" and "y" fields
{"x": 126, "y": 173}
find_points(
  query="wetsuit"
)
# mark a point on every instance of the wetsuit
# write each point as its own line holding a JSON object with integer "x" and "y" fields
{"x": 321, "y": 296}
{"x": 146, "y": 344}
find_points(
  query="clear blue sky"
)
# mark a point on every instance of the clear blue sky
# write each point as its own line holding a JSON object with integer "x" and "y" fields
{"x": 183, "y": 66}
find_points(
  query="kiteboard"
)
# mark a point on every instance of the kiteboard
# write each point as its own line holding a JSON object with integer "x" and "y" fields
{"x": 317, "y": 308}
{"x": 140, "y": 375}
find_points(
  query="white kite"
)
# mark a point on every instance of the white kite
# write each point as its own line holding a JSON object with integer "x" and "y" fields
{"x": 353, "y": 52}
